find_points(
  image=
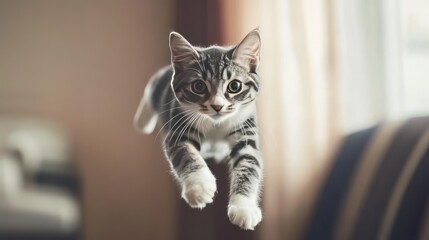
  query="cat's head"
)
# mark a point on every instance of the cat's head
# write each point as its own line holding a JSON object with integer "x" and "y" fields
{"x": 216, "y": 82}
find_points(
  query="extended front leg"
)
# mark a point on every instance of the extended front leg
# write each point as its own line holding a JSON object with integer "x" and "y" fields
{"x": 246, "y": 174}
{"x": 198, "y": 183}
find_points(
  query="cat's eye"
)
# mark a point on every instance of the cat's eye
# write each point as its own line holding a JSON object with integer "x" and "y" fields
{"x": 198, "y": 87}
{"x": 234, "y": 86}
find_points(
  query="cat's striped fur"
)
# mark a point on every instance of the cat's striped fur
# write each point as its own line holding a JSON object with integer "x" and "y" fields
{"x": 205, "y": 102}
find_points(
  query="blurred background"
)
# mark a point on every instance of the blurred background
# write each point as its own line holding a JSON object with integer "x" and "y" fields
{"x": 73, "y": 72}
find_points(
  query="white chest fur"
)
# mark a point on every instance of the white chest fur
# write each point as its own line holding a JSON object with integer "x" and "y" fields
{"x": 215, "y": 150}
{"x": 217, "y": 144}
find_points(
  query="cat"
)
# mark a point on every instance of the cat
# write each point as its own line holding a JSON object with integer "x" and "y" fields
{"x": 205, "y": 101}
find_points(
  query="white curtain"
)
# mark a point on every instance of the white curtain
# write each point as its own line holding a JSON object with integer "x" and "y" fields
{"x": 298, "y": 105}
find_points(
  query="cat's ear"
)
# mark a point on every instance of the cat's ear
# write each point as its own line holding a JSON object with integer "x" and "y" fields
{"x": 246, "y": 54}
{"x": 182, "y": 52}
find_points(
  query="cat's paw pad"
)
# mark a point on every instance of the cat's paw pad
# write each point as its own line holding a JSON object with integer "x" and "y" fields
{"x": 244, "y": 213}
{"x": 199, "y": 189}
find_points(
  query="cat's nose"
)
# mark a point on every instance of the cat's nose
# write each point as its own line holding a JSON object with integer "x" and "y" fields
{"x": 217, "y": 108}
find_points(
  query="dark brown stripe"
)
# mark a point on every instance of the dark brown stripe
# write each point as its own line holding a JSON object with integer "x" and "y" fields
{"x": 192, "y": 97}
{"x": 252, "y": 84}
{"x": 243, "y": 132}
{"x": 242, "y": 96}
{"x": 250, "y": 122}
{"x": 194, "y": 130}
{"x": 240, "y": 145}
{"x": 177, "y": 158}
{"x": 247, "y": 157}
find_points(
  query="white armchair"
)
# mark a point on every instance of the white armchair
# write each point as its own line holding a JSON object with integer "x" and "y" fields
{"x": 28, "y": 148}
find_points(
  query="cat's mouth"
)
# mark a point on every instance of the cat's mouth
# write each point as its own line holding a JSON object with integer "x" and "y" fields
{"x": 219, "y": 116}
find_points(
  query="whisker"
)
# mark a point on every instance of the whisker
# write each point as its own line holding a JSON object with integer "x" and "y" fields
{"x": 182, "y": 114}
{"x": 250, "y": 127}
{"x": 177, "y": 128}
{"x": 165, "y": 124}
{"x": 201, "y": 122}
{"x": 179, "y": 114}
{"x": 169, "y": 102}
{"x": 183, "y": 130}
{"x": 198, "y": 126}
{"x": 167, "y": 110}
{"x": 244, "y": 132}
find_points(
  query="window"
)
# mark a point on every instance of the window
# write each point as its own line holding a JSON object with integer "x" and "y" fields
{"x": 384, "y": 60}
{"x": 415, "y": 58}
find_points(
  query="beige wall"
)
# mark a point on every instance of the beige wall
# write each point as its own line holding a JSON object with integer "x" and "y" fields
{"x": 84, "y": 64}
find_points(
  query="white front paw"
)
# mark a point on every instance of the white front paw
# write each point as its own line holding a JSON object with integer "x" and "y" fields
{"x": 199, "y": 188}
{"x": 244, "y": 212}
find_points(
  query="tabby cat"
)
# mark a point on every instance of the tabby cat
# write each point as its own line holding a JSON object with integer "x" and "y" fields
{"x": 205, "y": 102}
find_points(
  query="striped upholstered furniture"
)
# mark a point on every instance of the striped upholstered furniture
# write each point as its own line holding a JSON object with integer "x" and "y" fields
{"x": 378, "y": 186}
